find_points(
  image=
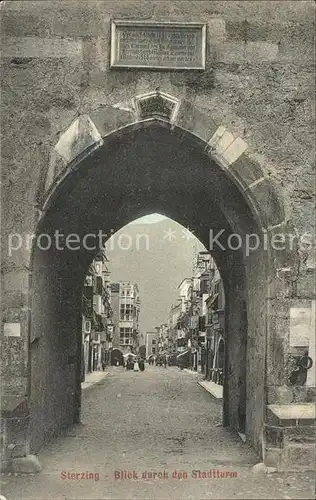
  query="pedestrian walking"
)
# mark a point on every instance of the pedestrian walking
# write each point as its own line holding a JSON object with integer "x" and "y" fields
{"x": 129, "y": 363}
{"x": 136, "y": 366}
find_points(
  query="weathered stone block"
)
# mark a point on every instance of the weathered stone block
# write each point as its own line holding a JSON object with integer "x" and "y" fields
{"x": 27, "y": 465}
{"x": 195, "y": 120}
{"x": 246, "y": 170}
{"x": 305, "y": 284}
{"x": 81, "y": 134}
{"x": 80, "y": 20}
{"x": 299, "y": 434}
{"x": 279, "y": 394}
{"x": 25, "y": 47}
{"x": 251, "y": 31}
{"x": 216, "y": 30}
{"x": 274, "y": 437}
{"x": 56, "y": 165}
{"x": 13, "y": 365}
{"x": 17, "y": 280}
{"x": 299, "y": 457}
{"x": 304, "y": 394}
{"x": 156, "y": 104}
{"x": 265, "y": 197}
{"x": 110, "y": 118}
{"x": 21, "y": 23}
{"x": 278, "y": 311}
{"x": 234, "y": 151}
{"x": 283, "y": 242}
{"x": 291, "y": 458}
{"x": 273, "y": 457}
{"x": 225, "y": 148}
{"x": 281, "y": 437}
{"x": 241, "y": 52}
{"x": 291, "y": 415}
{"x": 220, "y": 141}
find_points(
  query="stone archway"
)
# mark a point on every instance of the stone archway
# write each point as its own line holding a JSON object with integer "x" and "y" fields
{"x": 152, "y": 154}
{"x": 88, "y": 132}
{"x": 116, "y": 357}
{"x": 155, "y": 153}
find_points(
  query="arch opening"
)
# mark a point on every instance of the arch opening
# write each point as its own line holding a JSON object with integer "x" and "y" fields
{"x": 148, "y": 169}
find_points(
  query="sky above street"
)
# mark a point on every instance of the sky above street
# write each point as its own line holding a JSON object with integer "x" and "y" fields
{"x": 159, "y": 254}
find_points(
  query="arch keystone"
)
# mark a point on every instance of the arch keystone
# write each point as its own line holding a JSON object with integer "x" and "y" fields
{"x": 157, "y": 104}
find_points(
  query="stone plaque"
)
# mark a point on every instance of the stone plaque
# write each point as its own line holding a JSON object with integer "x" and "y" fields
{"x": 12, "y": 329}
{"x": 136, "y": 44}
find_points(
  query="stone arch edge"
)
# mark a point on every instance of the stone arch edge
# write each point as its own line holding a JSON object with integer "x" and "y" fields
{"x": 185, "y": 118}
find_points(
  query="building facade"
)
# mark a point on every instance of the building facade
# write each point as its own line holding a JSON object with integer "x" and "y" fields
{"x": 151, "y": 344}
{"x": 215, "y": 330}
{"x": 96, "y": 316}
{"x": 196, "y": 322}
{"x": 163, "y": 344}
{"x": 125, "y": 303}
{"x": 174, "y": 333}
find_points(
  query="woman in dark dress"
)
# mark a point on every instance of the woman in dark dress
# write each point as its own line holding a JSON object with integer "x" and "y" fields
{"x": 129, "y": 363}
{"x": 141, "y": 364}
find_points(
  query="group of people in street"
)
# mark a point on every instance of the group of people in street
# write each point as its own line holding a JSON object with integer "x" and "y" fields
{"x": 135, "y": 363}
{"x": 159, "y": 360}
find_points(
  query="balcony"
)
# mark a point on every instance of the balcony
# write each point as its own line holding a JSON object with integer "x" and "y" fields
{"x": 218, "y": 317}
{"x": 97, "y": 285}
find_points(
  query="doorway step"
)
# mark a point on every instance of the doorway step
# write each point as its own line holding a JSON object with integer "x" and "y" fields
{"x": 215, "y": 389}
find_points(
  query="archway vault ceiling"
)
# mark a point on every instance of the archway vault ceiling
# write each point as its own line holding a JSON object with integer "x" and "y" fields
{"x": 150, "y": 169}
{"x": 165, "y": 131}
{"x": 116, "y": 165}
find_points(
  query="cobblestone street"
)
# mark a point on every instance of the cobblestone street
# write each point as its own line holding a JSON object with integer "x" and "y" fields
{"x": 159, "y": 420}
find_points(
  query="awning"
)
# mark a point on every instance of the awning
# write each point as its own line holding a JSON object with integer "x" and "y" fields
{"x": 211, "y": 300}
{"x": 182, "y": 354}
{"x": 98, "y": 322}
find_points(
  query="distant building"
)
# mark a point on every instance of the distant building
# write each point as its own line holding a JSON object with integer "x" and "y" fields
{"x": 151, "y": 343}
{"x": 96, "y": 315}
{"x": 162, "y": 339}
{"x": 196, "y": 324}
{"x": 174, "y": 333}
{"x": 125, "y": 303}
{"x": 215, "y": 328}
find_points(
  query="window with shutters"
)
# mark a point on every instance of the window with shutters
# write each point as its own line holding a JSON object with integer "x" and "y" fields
{"x": 126, "y": 312}
{"x": 126, "y": 336}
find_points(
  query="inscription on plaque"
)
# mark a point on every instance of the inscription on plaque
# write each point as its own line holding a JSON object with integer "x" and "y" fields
{"x": 158, "y": 45}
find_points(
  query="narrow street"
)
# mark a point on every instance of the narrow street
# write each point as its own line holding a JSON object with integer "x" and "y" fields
{"x": 158, "y": 421}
